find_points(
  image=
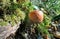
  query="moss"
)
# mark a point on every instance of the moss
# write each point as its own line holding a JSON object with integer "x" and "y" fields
{"x": 22, "y": 1}
{"x": 20, "y": 13}
{"x": 13, "y": 18}
{"x": 3, "y": 23}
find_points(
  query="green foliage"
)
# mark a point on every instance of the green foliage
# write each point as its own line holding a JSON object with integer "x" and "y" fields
{"x": 20, "y": 13}
{"x": 3, "y": 23}
{"x": 13, "y": 6}
{"x": 12, "y": 15}
{"x": 27, "y": 8}
{"x": 51, "y": 6}
{"x": 46, "y": 20}
{"x": 23, "y": 1}
{"x": 42, "y": 27}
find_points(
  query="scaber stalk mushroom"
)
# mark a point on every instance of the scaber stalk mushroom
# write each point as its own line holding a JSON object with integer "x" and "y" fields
{"x": 35, "y": 16}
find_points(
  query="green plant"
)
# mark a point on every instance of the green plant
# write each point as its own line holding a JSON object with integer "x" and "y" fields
{"x": 51, "y": 6}
{"x": 42, "y": 27}
{"x": 11, "y": 14}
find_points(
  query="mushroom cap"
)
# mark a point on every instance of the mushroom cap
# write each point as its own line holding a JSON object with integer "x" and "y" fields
{"x": 36, "y": 16}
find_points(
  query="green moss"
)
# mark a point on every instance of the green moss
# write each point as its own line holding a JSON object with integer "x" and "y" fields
{"x": 13, "y": 18}
{"x": 42, "y": 27}
{"x": 20, "y": 14}
{"x": 3, "y": 23}
{"x": 23, "y": 1}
